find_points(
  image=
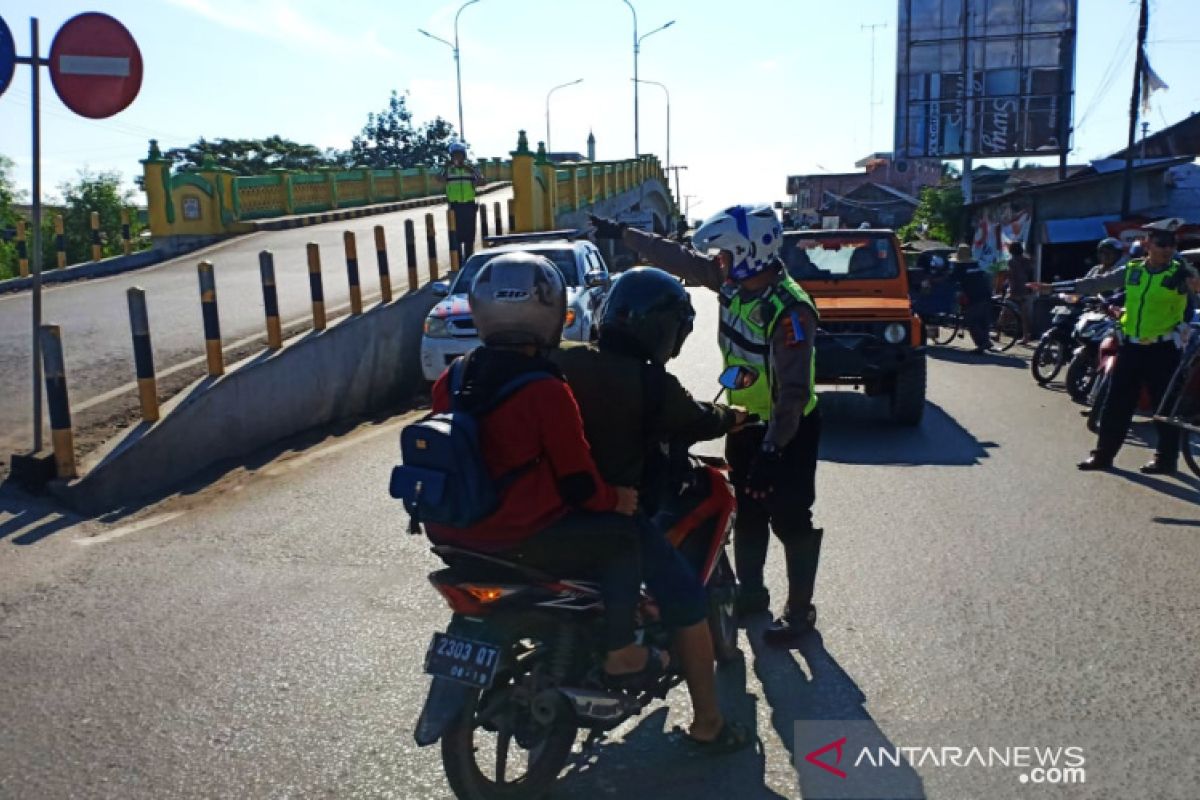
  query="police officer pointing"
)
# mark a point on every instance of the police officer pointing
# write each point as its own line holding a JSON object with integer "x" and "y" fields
{"x": 768, "y": 324}
{"x": 1156, "y": 296}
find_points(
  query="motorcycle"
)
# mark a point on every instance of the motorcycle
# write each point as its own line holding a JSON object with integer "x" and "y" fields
{"x": 1051, "y": 353}
{"x": 1093, "y": 328}
{"x": 519, "y": 662}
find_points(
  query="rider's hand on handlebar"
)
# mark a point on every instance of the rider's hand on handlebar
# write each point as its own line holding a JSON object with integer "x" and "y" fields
{"x": 742, "y": 418}
{"x": 627, "y": 501}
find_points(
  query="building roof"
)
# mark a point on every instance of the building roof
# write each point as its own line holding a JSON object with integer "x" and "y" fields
{"x": 1180, "y": 139}
{"x": 1082, "y": 178}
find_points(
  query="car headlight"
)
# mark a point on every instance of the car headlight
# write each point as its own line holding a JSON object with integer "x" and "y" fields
{"x": 436, "y": 328}
{"x": 570, "y": 318}
{"x": 895, "y": 333}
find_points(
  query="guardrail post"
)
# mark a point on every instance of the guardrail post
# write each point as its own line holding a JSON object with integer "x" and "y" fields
{"x": 496, "y": 217}
{"x": 483, "y": 221}
{"x": 512, "y": 217}
{"x": 410, "y": 254}
{"x": 266, "y": 268}
{"x": 381, "y": 258}
{"x": 452, "y": 236}
{"x": 126, "y": 245}
{"x": 22, "y": 250}
{"x": 431, "y": 244}
{"x": 96, "y": 236}
{"x": 315, "y": 287}
{"x": 143, "y": 354}
{"x": 212, "y": 321}
{"x": 351, "y": 245}
{"x": 55, "y": 371}
{"x": 60, "y": 241}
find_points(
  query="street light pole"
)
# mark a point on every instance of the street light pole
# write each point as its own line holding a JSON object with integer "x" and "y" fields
{"x": 462, "y": 131}
{"x": 668, "y": 94}
{"x": 552, "y": 91}
{"x": 637, "y": 47}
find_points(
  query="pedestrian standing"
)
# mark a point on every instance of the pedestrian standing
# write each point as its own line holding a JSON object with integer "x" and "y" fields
{"x": 1020, "y": 273}
{"x": 976, "y": 286}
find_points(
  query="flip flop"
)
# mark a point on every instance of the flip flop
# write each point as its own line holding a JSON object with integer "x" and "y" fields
{"x": 731, "y": 738}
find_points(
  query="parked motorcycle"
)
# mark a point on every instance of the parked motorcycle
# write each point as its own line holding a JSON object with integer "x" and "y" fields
{"x": 1058, "y": 341}
{"x": 1092, "y": 328}
{"x": 517, "y": 673}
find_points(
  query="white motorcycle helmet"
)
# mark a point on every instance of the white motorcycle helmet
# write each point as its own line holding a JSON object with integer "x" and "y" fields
{"x": 752, "y": 234}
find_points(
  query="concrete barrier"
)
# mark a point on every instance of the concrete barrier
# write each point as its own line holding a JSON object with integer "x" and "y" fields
{"x": 360, "y": 365}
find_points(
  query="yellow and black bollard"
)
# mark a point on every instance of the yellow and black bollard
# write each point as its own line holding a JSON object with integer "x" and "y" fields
{"x": 410, "y": 255}
{"x": 212, "y": 321}
{"x": 496, "y": 216}
{"x": 452, "y": 237}
{"x": 351, "y": 245}
{"x": 143, "y": 354}
{"x": 385, "y": 274}
{"x": 483, "y": 221}
{"x": 431, "y": 243}
{"x": 315, "y": 287}
{"x": 96, "y": 254}
{"x": 126, "y": 245}
{"x": 60, "y": 241}
{"x": 512, "y": 219}
{"x": 22, "y": 250}
{"x": 55, "y": 370}
{"x": 266, "y": 268}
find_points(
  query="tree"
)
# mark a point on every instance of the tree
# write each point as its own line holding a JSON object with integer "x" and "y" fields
{"x": 92, "y": 191}
{"x": 389, "y": 139}
{"x": 9, "y": 197}
{"x": 253, "y": 156}
{"x": 941, "y": 211}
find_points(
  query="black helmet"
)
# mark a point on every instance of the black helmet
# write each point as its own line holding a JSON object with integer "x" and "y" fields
{"x": 1111, "y": 244}
{"x": 650, "y": 311}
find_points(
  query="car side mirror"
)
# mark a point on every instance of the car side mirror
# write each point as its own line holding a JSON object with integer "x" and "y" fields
{"x": 596, "y": 277}
{"x": 441, "y": 288}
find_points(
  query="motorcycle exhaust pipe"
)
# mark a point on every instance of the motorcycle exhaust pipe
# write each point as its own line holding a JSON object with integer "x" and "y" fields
{"x": 592, "y": 707}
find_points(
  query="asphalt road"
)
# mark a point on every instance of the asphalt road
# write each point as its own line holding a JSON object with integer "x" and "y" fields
{"x": 95, "y": 319}
{"x": 262, "y": 636}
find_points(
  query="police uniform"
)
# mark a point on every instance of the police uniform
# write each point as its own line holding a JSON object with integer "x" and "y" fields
{"x": 460, "y": 194}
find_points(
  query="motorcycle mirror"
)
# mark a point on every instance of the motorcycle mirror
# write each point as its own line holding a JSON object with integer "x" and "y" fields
{"x": 740, "y": 377}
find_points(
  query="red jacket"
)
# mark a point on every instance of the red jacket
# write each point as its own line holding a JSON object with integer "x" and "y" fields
{"x": 540, "y": 421}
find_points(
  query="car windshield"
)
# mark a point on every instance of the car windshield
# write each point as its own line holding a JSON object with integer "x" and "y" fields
{"x": 840, "y": 257}
{"x": 563, "y": 258}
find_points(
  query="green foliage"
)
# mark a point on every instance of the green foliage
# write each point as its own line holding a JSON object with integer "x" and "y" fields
{"x": 941, "y": 212}
{"x": 253, "y": 156}
{"x": 389, "y": 139}
{"x": 9, "y": 197}
{"x": 92, "y": 191}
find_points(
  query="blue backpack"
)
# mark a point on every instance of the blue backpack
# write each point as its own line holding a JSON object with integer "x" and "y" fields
{"x": 443, "y": 478}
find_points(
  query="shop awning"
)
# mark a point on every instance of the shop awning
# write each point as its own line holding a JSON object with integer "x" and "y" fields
{"x": 1080, "y": 229}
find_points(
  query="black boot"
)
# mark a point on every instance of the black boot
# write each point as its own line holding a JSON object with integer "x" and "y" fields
{"x": 1159, "y": 466}
{"x": 803, "y": 556}
{"x": 1096, "y": 461}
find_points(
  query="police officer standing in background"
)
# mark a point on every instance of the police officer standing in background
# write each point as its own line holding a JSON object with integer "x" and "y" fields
{"x": 1156, "y": 296}
{"x": 461, "y": 179}
{"x": 768, "y": 325}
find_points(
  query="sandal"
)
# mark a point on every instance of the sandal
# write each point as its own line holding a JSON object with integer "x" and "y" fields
{"x": 645, "y": 678}
{"x": 731, "y": 738}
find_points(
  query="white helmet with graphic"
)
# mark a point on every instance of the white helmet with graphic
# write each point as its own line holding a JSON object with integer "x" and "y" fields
{"x": 752, "y": 234}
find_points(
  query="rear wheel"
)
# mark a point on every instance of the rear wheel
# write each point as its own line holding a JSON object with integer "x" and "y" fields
{"x": 1006, "y": 325}
{"x": 942, "y": 328}
{"x": 908, "y": 394}
{"x": 1081, "y": 374}
{"x": 1048, "y": 359}
{"x": 1189, "y": 446}
{"x": 1097, "y": 409}
{"x": 722, "y": 611}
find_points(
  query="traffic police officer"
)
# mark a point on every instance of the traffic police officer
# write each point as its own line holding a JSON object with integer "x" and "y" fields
{"x": 768, "y": 325}
{"x": 1156, "y": 296}
{"x": 461, "y": 179}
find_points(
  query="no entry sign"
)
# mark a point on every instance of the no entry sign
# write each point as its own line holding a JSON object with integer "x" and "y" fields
{"x": 95, "y": 65}
{"x": 8, "y": 56}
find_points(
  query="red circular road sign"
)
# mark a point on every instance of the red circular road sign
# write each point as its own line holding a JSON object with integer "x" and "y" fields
{"x": 95, "y": 65}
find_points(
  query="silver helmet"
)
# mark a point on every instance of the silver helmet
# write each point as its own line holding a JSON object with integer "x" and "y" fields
{"x": 519, "y": 299}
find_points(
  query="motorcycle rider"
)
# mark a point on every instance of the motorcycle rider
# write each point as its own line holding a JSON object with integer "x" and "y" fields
{"x": 1156, "y": 296}
{"x": 768, "y": 326}
{"x": 1108, "y": 253}
{"x": 555, "y": 513}
{"x": 630, "y": 406}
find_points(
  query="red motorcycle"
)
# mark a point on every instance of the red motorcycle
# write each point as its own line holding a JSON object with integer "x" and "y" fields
{"x": 515, "y": 675}
{"x": 1106, "y": 363}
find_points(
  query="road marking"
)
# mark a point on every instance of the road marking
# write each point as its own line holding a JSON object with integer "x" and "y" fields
{"x": 133, "y": 527}
{"x": 94, "y": 65}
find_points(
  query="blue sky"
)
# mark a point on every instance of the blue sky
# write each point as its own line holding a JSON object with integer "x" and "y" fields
{"x": 758, "y": 90}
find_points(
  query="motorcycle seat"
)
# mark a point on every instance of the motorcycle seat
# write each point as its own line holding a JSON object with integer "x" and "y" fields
{"x": 474, "y": 565}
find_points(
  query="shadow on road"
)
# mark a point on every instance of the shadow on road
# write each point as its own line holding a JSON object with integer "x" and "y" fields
{"x": 1181, "y": 523}
{"x": 821, "y": 692}
{"x": 649, "y": 763}
{"x": 1189, "y": 491}
{"x": 32, "y": 519}
{"x": 856, "y": 430}
{"x": 957, "y": 356}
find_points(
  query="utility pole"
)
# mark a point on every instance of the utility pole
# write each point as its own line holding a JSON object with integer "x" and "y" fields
{"x": 675, "y": 168}
{"x": 1139, "y": 70}
{"x": 871, "y": 135}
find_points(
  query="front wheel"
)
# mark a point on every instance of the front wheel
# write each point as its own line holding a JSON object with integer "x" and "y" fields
{"x": 1081, "y": 375}
{"x": 1189, "y": 446}
{"x": 496, "y": 750}
{"x": 1097, "y": 409}
{"x": 908, "y": 394}
{"x": 1048, "y": 359}
{"x": 1006, "y": 325}
{"x": 722, "y": 611}
{"x": 942, "y": 328}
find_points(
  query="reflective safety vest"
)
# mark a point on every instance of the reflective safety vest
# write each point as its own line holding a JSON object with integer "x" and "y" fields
{"x": 459, "y": 188}
{"x": 745, "y": 337}
{"x": 1154, "y": 301}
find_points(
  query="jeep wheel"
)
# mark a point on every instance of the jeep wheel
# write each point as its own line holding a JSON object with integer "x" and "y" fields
{"x": 908, "y": 394}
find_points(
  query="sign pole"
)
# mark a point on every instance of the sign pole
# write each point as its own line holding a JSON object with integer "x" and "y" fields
{"x": 34, "y": 66}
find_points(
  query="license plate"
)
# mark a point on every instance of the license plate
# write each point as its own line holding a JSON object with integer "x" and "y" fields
{"x": 463, "y": 660}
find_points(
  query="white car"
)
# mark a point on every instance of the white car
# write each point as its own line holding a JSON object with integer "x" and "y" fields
{"x": 450, "y": 330}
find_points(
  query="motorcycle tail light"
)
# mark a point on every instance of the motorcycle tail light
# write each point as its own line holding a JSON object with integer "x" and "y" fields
{"x": 486, "y": 594}
{"x": 460, "y": 600}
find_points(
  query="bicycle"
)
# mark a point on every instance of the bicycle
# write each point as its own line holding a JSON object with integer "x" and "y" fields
{"x": 1004, "y": 330}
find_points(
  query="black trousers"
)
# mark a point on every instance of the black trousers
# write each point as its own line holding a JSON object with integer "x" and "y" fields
{"x": 978, "y": 321}
{"x": 465, "y": 215}
{"x": 601, "y": 547}
{"x": 1138, "y": 365}
{"x": 787, "y": 511}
